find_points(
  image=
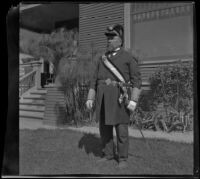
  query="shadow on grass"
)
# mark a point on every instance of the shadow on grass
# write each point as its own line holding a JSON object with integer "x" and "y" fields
{"x": 91, "y": 144}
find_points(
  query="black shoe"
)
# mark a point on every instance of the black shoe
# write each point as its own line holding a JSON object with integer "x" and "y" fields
{"x": 122, "y": 164}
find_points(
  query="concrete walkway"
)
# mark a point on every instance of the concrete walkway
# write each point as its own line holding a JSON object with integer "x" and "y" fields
{"x": 186, "y": 137}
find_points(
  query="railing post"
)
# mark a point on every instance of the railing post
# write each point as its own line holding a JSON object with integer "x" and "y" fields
{"x": 37, "y": 66}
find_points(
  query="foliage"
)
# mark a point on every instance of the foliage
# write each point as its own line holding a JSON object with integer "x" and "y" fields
{"x": 171, "y": 93}
{"x": 75, "y": 76}
{"x": 29, "y": 43}
{"x": 59, "y": 44}
{"x": 173, "y": 85}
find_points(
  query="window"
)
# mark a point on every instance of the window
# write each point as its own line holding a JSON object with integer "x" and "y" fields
{"x": 163, "y": 33}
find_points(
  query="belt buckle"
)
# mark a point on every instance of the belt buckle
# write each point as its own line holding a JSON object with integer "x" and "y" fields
{"x": 108, "y": 81}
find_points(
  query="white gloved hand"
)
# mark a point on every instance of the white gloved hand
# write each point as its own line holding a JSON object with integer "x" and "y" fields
{"x": 132, "y": 105}
{"x": 89, "y": 104}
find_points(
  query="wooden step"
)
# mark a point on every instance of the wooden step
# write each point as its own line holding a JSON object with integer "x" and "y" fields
{"x": 31, "y": 104}
{"x": 27, "y": 119}
{"x": 30, "y": 114}
{"x": 37, "y": 95}
{"x": 32, "y": 101}
{"x": 41, "y": 89}
{"x": 39, "y": 92}
{"x": 145, "y": 88}
{"x": 25, "y": 107}
{"x": 34, "y": 97}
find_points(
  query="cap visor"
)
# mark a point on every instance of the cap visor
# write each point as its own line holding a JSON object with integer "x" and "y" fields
{"x": 110, "y": 34}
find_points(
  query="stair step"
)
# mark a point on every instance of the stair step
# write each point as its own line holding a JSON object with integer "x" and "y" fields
{"x": 41, "y": 89}
{"x": 37, "y": 95}
{"x": 34, "y": 97}
{"x": 37, "y": 115}
{"x": 39, "y": 92}
{"x": 31, "y": 104}
{"x": 28, "y": 119}
{"x": 31, "y": 108}
{"x": 32, "y": 101}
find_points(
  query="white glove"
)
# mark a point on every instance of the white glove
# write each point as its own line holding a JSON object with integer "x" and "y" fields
{"x": 132, "y": 105}
{"x": 89, "y": 104}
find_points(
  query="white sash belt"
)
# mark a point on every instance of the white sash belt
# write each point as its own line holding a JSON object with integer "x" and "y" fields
{"x": 113, "y": 69}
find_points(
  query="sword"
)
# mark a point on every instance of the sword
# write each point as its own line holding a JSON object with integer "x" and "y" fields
{"x": 131, "y": 116}
{"x": 124, "y": 96}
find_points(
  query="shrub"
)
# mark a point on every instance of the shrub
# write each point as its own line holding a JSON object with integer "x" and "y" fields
{"x": 58, "y": 45}
{"x": 171, "y": 86}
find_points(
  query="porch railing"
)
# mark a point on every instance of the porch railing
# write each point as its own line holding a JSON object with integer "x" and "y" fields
{"x": 31, "y": 79}
{"x": 26, "y": 82}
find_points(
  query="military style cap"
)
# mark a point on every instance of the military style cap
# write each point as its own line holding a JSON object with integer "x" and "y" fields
{"x": 115, "y": 30}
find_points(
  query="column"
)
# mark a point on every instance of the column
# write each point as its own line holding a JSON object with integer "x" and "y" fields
{"x": 127, "y": 28}
{"x": 37, "y": 67}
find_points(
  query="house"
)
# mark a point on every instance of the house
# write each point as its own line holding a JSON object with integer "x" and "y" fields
{"x": 156, "y": 32}
{"x": 167, "y": 25}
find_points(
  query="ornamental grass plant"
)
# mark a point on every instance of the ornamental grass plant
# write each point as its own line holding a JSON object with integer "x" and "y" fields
{"x": 75, "y": 76}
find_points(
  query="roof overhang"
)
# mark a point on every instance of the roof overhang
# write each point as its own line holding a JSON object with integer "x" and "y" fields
{"x": 42, "y": 17}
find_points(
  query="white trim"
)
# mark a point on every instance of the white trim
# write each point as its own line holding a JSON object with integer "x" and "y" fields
{"x": 127, "y": 16}
{"x": 160, "y": 62}
{"x": 27, "y": 6}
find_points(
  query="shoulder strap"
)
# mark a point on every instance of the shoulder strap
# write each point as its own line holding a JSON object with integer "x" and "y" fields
{"x": 113, "y": 69}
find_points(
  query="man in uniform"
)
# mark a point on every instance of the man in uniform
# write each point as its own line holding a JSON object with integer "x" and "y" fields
{"x": 116, "y": 71}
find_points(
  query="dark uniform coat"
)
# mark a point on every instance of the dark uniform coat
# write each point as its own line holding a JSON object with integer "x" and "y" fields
{"x": 114, "y": 112}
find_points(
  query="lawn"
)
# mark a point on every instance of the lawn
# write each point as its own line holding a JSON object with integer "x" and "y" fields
{"x": 67, "y": 152}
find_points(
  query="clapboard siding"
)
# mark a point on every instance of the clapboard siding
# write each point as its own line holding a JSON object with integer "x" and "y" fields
{"x": 91, "y": 15}
{"x": 94, "y": 18}
{"x": 97, "y": 7}
{"x": 147, "y": 68}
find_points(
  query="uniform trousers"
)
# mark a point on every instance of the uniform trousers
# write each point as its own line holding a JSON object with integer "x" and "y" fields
{"x": 106, "y": 133}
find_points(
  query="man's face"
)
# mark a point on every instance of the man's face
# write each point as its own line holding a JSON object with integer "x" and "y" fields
{"x": 113, "y": 42}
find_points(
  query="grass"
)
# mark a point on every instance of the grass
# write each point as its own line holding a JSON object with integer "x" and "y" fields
{"x": 67, "y": 152}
